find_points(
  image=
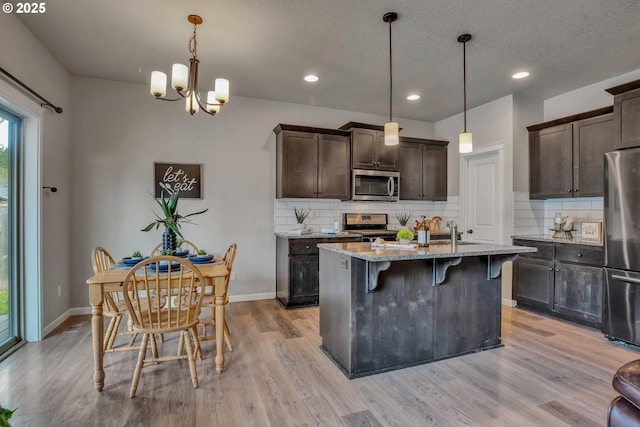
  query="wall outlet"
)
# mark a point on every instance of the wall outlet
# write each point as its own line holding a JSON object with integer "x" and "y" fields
{"x": 59, "y": 290}
{"x": 233, "y": 275}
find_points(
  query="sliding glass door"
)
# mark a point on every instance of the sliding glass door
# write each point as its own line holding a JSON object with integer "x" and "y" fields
{"x": 10, "y": 137}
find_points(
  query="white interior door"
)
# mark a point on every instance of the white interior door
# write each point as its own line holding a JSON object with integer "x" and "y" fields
{"x": 483, "y": 197}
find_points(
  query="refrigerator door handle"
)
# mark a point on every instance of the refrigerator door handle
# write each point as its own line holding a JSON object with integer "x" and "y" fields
{"x": 625, "y": 278}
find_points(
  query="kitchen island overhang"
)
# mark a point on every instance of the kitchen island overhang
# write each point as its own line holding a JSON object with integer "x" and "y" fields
{"x": 385, "y": 309}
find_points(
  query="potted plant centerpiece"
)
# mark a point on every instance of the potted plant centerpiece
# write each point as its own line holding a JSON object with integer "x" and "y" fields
{"x": 171, "y": 221}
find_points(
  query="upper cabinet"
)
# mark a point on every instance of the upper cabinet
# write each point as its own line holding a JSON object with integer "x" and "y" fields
{"x": 626, "y": 117}
{"x": 423, "y": 169}
{"x": 566, "y": 156}
{"x": 368, "y": 149}
{"x": 312, "y": 163}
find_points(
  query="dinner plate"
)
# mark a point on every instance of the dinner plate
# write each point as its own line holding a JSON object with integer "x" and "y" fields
{"x": 182, "y": 254}
{"x": 201, "y": 259}
{"x": 129, "y": 261}
{"x": 165, "y": 267}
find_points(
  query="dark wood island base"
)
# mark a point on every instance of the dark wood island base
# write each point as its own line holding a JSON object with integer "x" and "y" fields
{"x": 408, "y": 319}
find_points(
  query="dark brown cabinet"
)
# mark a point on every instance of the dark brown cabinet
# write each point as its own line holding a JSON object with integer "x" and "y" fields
{"x": 565, "y": 280}
{"x": 626, "y": 118}
{"x": 423, "y": 169}
{"x": 368, "y": 150}
{"x": 312, "y": 163}
{"x": 297, "y": 269}
{"x": 566, "y": 156}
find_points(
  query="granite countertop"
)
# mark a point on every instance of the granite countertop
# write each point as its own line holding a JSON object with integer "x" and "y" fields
{"x": 366, "y": 252}
{"x": 548, "y": 239}
{"x": 316, "y": 235}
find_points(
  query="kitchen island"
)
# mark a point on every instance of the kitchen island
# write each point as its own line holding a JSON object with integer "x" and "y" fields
{"x": 385, "y": 309}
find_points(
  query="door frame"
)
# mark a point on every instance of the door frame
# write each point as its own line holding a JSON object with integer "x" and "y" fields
{"x": 496, "y": 149}
{"x": 30, "y": 268}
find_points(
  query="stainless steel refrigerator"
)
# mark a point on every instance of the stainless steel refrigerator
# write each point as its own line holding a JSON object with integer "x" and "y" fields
{"x": 621, "y": 305}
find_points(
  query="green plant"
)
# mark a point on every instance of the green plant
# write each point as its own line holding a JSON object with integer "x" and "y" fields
{"x": 4, "y": 302}
{"x": 403, "y": 218}
{"x": 5, "y": 414}
{"x": 170, "y": 217}
{"x": 301, "y": 215}
{"x": 165, "y": 252}
{"x": 405, "y": 234}
{"x": 202, "y": 252}
{"x": 137, "y": 254}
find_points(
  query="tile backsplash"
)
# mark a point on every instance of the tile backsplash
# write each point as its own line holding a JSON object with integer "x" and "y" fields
{"x": 323, "y": 212}
{"x": 536, "y": 216}
{"x": 529, "y": 216}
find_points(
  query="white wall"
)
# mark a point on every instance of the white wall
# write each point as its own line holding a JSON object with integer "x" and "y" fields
{"x": 25, "y": 57}
{"x": 120, "y": 130}
{"x": 586, "y": 98}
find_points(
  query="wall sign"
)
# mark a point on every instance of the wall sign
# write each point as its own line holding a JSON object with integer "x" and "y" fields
{"x": 186, "y": 178}
{"x": 591, "y": 230}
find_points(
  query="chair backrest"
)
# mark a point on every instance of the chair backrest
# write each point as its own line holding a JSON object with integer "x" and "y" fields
{"x": 184, "y": 244}
{"x": 101, "y": 259}
{"x": 183, "y": 282}
{"x": 229, "y": 258}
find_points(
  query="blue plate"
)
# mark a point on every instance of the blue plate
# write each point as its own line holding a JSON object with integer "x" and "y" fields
{"x": 129, "y": 261}
{"x": 164, "y": 267}
{"x": 201, "y": 259}
{"x": 182, "y": 254}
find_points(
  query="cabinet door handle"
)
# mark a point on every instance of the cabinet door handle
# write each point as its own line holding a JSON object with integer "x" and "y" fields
{"x": 307, "y": 247}
{"x": 579, "y": 255}
{"x": 576, "y": 190}
{"x": 550, "y": 268}
{"x": 557, "y": 269}
{"x": 625, "y": 279}
{"x": 569, "y": 191}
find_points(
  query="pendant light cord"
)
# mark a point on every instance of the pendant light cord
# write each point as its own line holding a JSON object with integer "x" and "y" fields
{"x": 390, "y": 75}
{"x": 464, "y": 79}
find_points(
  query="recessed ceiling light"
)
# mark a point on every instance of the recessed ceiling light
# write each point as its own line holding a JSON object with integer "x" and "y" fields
{"x": 311, "y": 78}
{"x": 520, "y": 75}
{"x": 413, "y": 97}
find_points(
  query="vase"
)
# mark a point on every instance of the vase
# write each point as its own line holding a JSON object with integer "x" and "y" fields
{"x": 169, "y": 240}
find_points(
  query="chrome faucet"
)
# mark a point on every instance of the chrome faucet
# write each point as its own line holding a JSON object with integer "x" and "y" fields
{"x": 454, "y": 235}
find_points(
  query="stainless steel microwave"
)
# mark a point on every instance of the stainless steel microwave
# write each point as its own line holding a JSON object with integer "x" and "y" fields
{"x": 375, "y": 185}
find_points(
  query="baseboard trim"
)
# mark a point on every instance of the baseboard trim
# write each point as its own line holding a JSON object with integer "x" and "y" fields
{"x": 509, "y": 302}
{"x": 252, "y": 297}
{"x": 64, "y": 316}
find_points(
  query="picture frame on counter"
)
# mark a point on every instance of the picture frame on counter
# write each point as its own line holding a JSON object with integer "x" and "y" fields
{"x": 591, "y": 231}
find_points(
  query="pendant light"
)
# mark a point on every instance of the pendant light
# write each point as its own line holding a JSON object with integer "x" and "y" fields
{"x": 391, "y": 132}
{"x": 465, "y": 142}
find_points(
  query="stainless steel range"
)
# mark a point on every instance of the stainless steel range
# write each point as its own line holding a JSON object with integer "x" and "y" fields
{"x": 369, "y": 225}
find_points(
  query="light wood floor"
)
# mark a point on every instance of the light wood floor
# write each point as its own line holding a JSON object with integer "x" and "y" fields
{"x": 549, "y": 373}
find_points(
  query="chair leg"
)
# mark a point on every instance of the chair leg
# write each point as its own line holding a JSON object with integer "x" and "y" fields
{"x": 180, "y": 345}
{"x": 227, "y": 337}
{"x": 192, "y": 362}
{"x": 108, "y": 339}
{"x": 139, "y": 365}
{"x": 133, "y": 339}
{"x": 198, "y": 348}
{"x": 154, "y": 348}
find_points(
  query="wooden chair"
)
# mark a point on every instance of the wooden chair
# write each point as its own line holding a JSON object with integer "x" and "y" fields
{"x": 113, "y": 307}
{"x": 229, "y": 258}
{"x": 182, "y": 243}
{"x": 181, "y": 315}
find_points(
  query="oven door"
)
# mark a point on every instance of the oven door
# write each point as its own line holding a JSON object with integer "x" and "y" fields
{"x": 375, "y": 185}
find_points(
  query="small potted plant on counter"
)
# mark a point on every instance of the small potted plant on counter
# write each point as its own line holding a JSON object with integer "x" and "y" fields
{"x": 301, "y": 216}
{"x": 136, "y": 256}
{"x": 405, "y": 236}
{"x": 403, "y": 218}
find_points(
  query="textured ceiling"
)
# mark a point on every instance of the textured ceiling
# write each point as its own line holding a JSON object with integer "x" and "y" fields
{"x": 265, "y": 47}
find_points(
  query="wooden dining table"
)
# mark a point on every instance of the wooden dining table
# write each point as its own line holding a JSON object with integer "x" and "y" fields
{"x": 112, "y": 280}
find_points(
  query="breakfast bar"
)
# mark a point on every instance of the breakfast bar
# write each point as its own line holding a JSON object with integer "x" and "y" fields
{"x": 392, "y": 307}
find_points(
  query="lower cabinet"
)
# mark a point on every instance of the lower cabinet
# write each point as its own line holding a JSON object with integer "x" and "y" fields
{"x": 562, "y": 279}
{"x": 297, "y": 269}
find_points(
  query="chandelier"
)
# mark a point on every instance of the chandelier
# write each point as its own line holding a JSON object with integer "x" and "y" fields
{"x": 185, "y": 81}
